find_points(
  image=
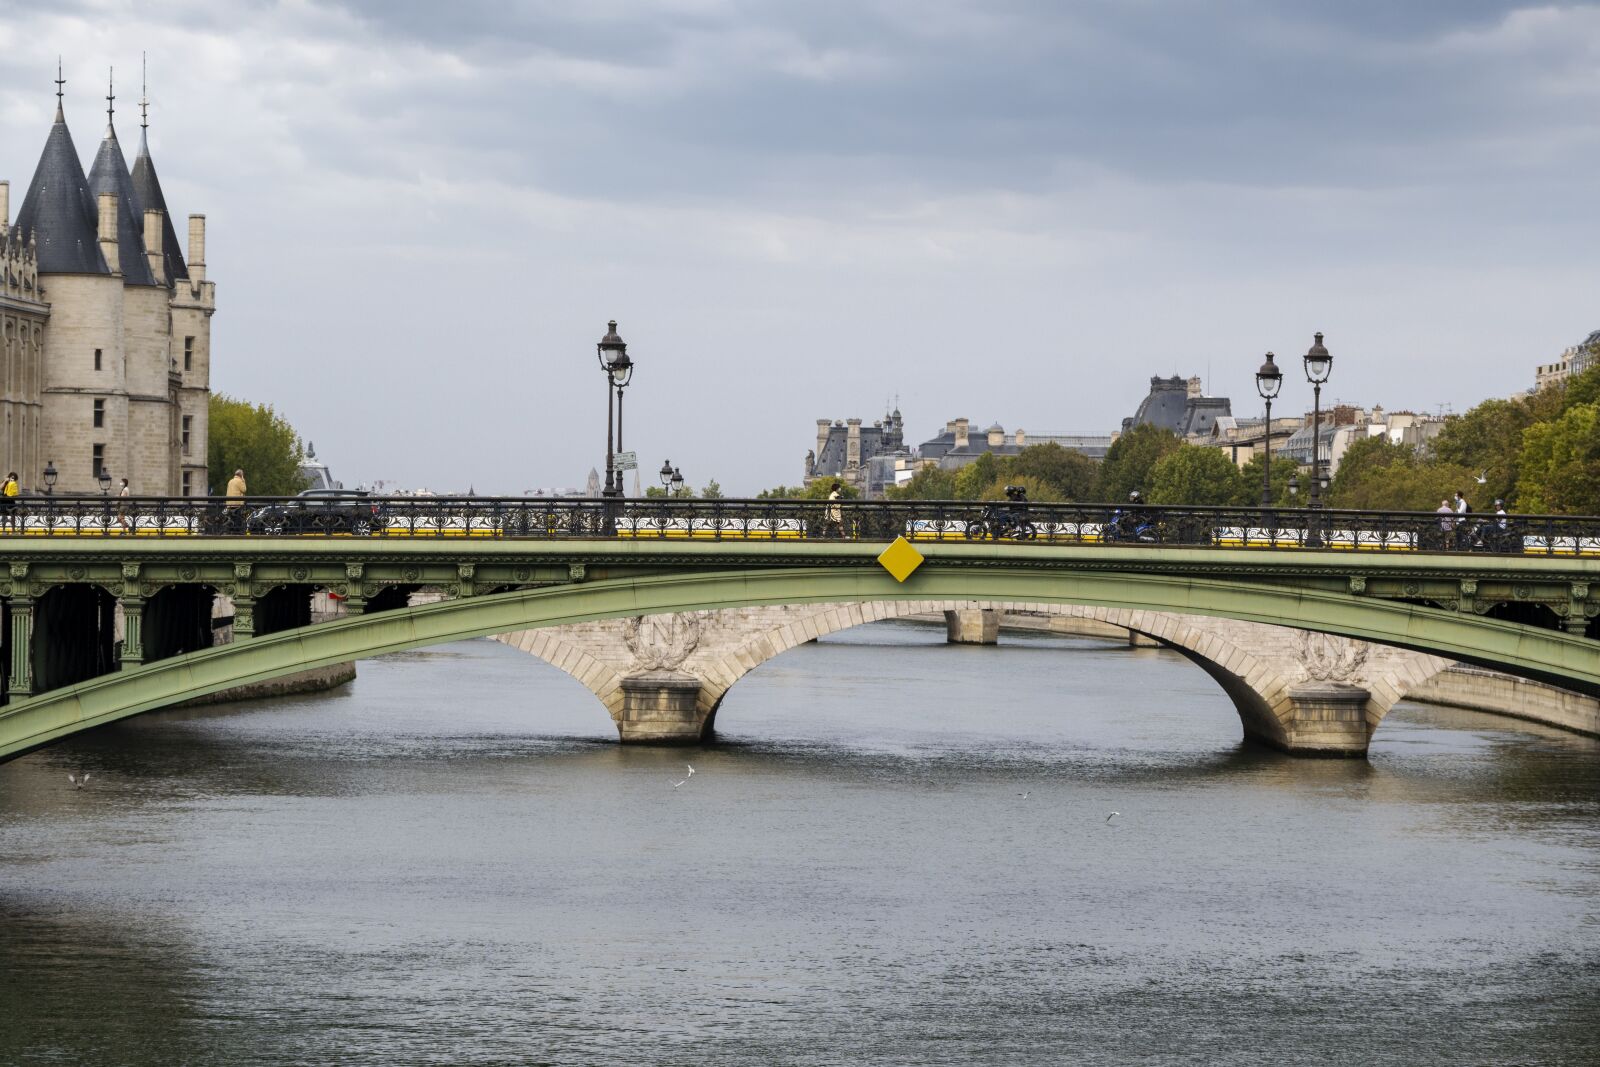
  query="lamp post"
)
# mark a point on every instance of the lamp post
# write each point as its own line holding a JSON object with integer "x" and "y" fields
{"x": 1319, "y": 364}
{"x": 671, "y": 478}
{"x": 612, "y": 352}
{"x": 50, "y": 475}
{"x": 105, "y": 481}
{"x": 1269, "y": 379}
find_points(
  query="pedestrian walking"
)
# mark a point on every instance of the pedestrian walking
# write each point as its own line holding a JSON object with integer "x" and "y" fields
{"x": 835, "y": 512}
{"x": 122, "y": 507}
{"x": 8, "y": 501}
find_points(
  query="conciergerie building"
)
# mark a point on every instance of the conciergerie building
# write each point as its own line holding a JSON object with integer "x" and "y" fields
{"x": 105, "y": 327}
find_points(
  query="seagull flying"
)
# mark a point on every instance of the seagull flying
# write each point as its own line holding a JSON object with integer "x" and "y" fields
{"x": 691, "y": 770}
{"x": 677, "y": 784}
{"x": 1024, "y": 796}
{"x": 1483, "y": 476}
{"x": 1113, "y": 815}
{"x": 76, "y": 781}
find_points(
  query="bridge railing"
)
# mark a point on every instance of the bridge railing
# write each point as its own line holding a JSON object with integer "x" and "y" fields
{"x": 538, "y": 518}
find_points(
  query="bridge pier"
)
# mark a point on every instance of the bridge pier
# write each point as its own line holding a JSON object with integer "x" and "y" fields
{"x": 972, "y": 626}
{"x": 19, "y": 610}
{"x": 662, "y": 708}
{"x": 1329, "y": 719}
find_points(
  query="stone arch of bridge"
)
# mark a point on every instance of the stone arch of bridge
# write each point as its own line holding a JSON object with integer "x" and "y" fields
{"x": 1555, "y": 657}
{"x": 599, "y": 656}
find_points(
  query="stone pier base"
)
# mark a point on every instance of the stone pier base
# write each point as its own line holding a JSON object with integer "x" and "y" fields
{"x": 661, "y": 708}
{"x": 1330, "y": 719}
{"x": 973, "y": 626}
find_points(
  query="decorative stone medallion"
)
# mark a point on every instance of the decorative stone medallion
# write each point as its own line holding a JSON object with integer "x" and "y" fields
{"x": 663, "y": 642}
{"x": 300, "y": 572}
{"x": 188, "y": 572}
{"x": 1330, "y": 658}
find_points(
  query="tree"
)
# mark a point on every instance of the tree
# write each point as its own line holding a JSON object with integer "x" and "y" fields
{"x": 1062, "y": 473}
{"x": 1192, "y": 474}
{"x": 712, "y": 491}
{"x": 1378, "y": 475}
{"x": 1487, "y": 441}
{"x": 1560, "y": 464}
{"x": 1129, "y": 460}
{"x": 928, "y": 483}
{"x": 256, "y": 439}
{"x": 1250, "y": 475}
{"x": 981, "y": 473}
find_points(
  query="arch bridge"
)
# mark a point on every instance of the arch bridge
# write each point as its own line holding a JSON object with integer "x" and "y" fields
{"x": 1527, "y": 614}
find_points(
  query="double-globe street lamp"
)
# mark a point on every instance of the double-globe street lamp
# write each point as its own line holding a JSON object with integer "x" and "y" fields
{"x": 613, "y": 354}
{"x": 671, "y": 478}
{"x": 1318, "y": 364}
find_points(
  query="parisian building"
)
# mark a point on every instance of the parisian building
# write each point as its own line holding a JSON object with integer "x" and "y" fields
{"x": 105, "y": 324}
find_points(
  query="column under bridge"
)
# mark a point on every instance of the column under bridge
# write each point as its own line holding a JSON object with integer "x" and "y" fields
{"x": 662, "y": 678}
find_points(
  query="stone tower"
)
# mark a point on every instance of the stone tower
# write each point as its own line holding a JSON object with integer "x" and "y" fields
{"x": 125, "y": 325}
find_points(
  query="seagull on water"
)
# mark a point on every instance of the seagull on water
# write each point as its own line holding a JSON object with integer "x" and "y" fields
{"x": 1113, "y": 815}
{"x": 1024, "y": 796}
{"x": 76, "y": 781}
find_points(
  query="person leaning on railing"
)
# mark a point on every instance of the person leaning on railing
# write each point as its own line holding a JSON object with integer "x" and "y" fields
{"x": 234, "y": 508}
{"x": 8, "y": 502}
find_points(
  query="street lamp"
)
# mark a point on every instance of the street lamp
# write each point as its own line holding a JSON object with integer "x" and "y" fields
{"x": 1319, "y": 364}
{"x": 612, "y": 352}
{"x": 677, "y": 481}
{"x": 105, "y": 481}
{"x": 1294, "y": 485}
{"x": 671, "y": 478}
{"x": 1269, "y": 379}
{"x": 666, "y": 473}
{"x": 50, "y": 475}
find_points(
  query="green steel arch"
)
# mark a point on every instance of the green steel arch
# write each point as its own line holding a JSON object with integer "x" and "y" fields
{"x": 1545, "y": 655}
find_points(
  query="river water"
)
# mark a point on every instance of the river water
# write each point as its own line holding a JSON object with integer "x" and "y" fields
{"x": 900, "y": 854}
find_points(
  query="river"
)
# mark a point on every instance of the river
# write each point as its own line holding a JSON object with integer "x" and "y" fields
{"x": 900, "y": 853}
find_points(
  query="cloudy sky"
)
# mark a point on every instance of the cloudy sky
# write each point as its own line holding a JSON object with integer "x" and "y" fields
{"x": 422, "y": 215}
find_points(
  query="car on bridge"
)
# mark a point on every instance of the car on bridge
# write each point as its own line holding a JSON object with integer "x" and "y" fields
{"x": 354, "y": 512}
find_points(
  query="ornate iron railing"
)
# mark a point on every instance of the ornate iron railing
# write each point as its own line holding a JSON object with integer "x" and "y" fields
{"x": 800, "y": 520}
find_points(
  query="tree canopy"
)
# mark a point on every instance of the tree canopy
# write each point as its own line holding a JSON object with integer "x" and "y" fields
{"x": 1196, "y": 475}
{"x": 1130, "y": 460}
{"x": 256, "y": 439}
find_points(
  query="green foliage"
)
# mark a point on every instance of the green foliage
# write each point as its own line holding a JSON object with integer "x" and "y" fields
{"x": 817, "y": 490}
{"x": 1038, "y": 488}
{"x": 980, "y": 474}
{"x": 712, "y": 491}
{"x": 928, "y": 483}
{"x": 256, "y": 439}
{"x": 1560, "y": 463}
{"x": 1377, "y": 475}
{"x": 1061, "y": 473}
{"x": 1487, "y": 440}
{"x": 1250, "y": 475}
{"x": 1131, "y": 458}
{"x": 1191, "y": 474}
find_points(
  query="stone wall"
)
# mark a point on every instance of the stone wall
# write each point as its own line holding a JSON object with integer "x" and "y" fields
{"x": 1500, "y": 694}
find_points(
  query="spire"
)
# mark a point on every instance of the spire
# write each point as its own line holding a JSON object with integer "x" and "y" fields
{"x": 110, "y": 175}
{"x": 111, "y": 101}
{"x": 58, "y": 213}
{"x": 147, "y": 188}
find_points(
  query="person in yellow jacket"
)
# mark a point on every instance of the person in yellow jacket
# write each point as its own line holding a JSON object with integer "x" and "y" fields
{"x": 235, "y": 504}
{"x": 8, "y": 502}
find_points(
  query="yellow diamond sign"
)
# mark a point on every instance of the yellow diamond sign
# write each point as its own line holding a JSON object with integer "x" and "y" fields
{"x": 900, "y": 559}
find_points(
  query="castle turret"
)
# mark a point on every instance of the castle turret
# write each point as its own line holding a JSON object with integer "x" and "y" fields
{"x": 58, "y": 214}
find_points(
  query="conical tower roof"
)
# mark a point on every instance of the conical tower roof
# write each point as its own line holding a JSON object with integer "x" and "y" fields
{"x": 110, "y": 175}
{"x": 147, "y": 187}
{"x": 58, "y": 212}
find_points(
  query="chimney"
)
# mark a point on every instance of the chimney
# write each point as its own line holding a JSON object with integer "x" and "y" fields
{"x": 950, "y": 427}
{"x": 108, "y": 232}
{"x": 1022, "y": 440}
{"x": 852, "y": 444}
{"x": 822, "y": 437}
{"x": 152, "y": 245}
{"x": 5, "y": 206}
{"x": 997, "y": 436}
{"x": 961, "y": 433}
{"x": 1194, "y": 388}
{"x": 197, "y": 248}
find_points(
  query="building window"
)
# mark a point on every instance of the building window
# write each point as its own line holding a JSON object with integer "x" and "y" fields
{"x": 97, "y": 359}
{"x": 99, "y": 414}
{"x": 188, "y": 353}
{"x": 188, "y": 423}
{"x": 99, "y": 459}
{"x": 187, "y": 484}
